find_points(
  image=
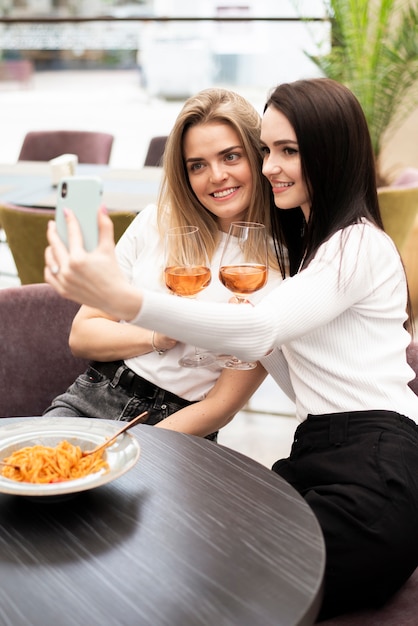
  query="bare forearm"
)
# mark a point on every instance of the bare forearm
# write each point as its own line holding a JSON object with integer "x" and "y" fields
{"x": 230, "y": 393}
{"x": 195, "y": 420}
{"x": 102, "y": 339}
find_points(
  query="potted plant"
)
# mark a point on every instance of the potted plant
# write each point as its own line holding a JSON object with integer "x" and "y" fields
{"x": 374, "y": 51}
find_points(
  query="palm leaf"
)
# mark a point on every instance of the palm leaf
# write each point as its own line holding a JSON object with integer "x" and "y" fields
{"x": 375, "y": 53}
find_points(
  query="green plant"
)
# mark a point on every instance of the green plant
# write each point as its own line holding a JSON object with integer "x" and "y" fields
{"x": 374, "y": 51}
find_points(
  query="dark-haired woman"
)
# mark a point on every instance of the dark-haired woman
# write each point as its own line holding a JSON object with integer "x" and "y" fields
{"x": 333, "y": 334}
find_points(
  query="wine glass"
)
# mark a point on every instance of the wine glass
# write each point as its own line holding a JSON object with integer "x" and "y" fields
{"x": 186, "y": 273}
{"x": 243, "y": 270}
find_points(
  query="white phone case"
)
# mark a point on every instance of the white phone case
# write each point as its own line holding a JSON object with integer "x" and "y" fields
{"x": 83, "y": 195}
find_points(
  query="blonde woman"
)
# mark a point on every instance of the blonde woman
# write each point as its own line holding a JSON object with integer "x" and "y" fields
{"x": 212, "y": 176}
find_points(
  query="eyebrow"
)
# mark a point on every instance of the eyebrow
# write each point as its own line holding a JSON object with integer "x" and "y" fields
{"x": 221, "y": 153}
{"x": 281, "y": 142}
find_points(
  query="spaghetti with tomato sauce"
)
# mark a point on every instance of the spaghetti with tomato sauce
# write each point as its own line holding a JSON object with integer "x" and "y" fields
{"x": 45, "y": 464}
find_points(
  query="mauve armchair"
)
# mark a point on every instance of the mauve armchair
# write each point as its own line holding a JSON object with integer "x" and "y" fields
{"x": 400, "y": 610}
{"x": 89, "y": 146}
{"x": 36, "y": 363}
{"x": 412, "y": 356}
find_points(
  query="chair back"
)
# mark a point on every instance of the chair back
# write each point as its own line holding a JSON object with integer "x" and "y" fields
{"x": 407, "y": 178}
{"x": 398, "y": 207}
{"x": 36, "y": 363}
{"x": 412, "y": 357}
{"x": 399, "y": 610}
{"x": 155, "y": 153}
{"x": 121, "y": 221}
{"x": 25, "y": 229}
{"x": 89, "y": 146}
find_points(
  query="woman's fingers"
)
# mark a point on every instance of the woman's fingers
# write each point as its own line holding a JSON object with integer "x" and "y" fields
{"x": 51, "y": 266}
{"x": 53, "y": 253}
{"x": 58, "y": 257}
{"x": 75, "y": 237}
{"x": 57, "y": 246}
{"x": 106, "y": 230}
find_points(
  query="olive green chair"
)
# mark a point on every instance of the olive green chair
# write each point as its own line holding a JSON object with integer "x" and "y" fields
{"x": 25, "y": 229}
{"x": 398, "y": 207}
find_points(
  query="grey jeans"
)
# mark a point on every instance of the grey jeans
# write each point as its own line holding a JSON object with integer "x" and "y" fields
{"x": 94, "y": 395}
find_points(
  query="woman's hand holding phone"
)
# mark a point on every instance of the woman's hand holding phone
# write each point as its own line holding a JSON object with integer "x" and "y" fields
{"x": 90, "y": 278}
{"x": 83, "y": 196}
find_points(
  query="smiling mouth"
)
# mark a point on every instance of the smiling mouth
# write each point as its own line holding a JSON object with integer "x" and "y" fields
{"x": 281, "y": 185}
{"x": 224, "y": 193}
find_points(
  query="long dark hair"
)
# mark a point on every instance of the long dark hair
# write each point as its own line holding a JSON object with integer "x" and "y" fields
{"x": 337, "y": 159}
{"x": 338, "y": 166}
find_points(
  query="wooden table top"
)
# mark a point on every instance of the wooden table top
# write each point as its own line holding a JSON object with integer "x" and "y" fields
{"x": 194, "y": 535}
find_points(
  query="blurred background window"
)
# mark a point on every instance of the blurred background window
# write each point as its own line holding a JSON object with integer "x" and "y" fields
{"x": 174, "y": 57}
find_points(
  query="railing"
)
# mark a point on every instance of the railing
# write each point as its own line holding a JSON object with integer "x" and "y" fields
{"x": 163, "y": 19}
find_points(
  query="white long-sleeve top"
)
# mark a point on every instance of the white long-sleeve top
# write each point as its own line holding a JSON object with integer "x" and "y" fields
{"x": 335, "y": 329}
{"x": 140, "y": 253}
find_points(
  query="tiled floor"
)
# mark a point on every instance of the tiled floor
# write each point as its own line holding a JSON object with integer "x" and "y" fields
{"x": 113, "y": 101}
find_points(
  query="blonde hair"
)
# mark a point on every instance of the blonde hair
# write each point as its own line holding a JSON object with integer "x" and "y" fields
{"x": 177, "y": 204}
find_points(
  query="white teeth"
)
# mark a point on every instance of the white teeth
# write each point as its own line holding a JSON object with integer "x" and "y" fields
{"x": 282, "y": 184}
{"x": 222, "y": 194}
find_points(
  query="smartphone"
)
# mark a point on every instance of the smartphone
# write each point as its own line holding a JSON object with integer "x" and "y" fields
{"x": 83, "y": 195}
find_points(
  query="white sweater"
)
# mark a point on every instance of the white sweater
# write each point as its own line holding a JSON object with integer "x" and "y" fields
{"x": 336, "y": 328}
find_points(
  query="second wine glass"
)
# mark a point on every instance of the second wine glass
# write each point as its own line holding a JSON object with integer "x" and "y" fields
{"x": 187, "y": 273}
{"x": 243, "y": 270}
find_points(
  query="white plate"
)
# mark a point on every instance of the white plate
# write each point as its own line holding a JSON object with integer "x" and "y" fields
{"x": 84, "y": 432}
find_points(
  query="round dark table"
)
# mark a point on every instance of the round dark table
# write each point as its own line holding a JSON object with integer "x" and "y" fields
{"x": 194, "y": 535}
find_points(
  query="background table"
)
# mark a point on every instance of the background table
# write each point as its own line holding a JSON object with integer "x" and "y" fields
{"x": 194, "y": 535}
{"x": 28, "y": 183}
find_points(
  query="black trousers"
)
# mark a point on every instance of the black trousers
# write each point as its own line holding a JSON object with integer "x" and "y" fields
{"x": 358, "y": 471}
